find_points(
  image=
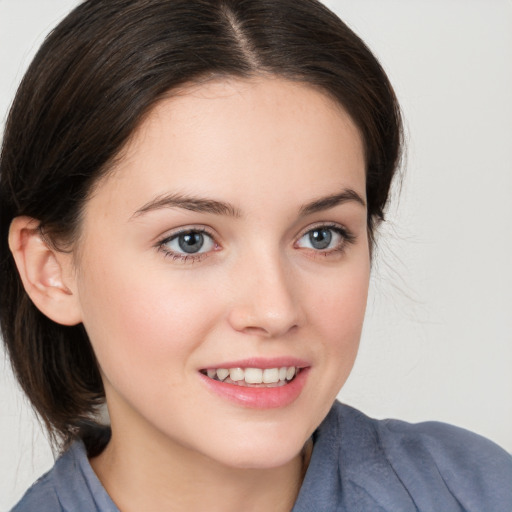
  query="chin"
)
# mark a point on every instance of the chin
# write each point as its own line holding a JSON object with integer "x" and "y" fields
{"x": 260, "y": 450}
{"x": 258, "y": 460}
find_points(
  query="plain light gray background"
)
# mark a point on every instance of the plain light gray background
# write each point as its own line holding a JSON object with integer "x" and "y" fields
{"x": 438, "y": 339}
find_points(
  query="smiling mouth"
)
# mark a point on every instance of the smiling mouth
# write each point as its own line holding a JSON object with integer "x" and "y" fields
{"x": 254, "y": 377}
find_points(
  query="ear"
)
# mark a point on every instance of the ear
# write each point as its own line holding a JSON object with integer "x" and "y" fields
{"x": 47, "y": 274}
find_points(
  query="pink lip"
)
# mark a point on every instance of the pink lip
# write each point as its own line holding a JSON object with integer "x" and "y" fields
{"x": 259, "y": 397}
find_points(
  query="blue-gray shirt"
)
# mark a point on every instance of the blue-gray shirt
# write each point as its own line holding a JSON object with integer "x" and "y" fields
{"x": 358, "y": 464}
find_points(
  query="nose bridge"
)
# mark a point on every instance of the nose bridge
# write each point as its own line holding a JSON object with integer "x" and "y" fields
{"x": 264, "y": 302}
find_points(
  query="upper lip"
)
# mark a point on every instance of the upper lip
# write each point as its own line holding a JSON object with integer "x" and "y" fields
{"x": 261, "y": 362}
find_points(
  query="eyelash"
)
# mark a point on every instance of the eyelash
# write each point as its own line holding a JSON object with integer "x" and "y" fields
{"x": 182, "y": 257}
{"x": 347, "y": 238}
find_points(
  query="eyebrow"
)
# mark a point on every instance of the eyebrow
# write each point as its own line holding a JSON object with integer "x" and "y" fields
{"x": 195, "y": 204}
{"x": 205, "y": 205}
{"x": 325, "y": 203}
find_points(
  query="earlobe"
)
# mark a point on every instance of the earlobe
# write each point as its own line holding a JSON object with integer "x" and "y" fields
{"x": 46, "y": 273}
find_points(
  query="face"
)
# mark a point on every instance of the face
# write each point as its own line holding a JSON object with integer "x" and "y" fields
{"x": 223, "y": 269}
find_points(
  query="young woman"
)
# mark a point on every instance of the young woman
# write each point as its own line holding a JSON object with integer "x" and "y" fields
{"x": 189, "y": 196}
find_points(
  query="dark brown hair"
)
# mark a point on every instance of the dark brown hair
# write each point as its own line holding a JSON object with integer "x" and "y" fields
{"x": 90, "y": 85}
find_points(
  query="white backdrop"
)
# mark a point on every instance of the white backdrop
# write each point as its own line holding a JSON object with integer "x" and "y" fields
{"x": 438, "y": 339}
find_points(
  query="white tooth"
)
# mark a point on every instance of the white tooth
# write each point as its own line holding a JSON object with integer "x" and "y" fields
{"x": 236, "y": 374}
{"x": 211, "y": 373}
{"x": 290, "y": 373}
{"x": 271, "y": 375}
{"x": 222, "y": 373}
{"x": 282, "y": 373}
{"x": 253, "y": 375}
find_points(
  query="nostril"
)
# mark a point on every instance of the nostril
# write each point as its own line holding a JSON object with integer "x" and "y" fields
{"x": 257, "y": 331}
{"x": 270, "y": 332}
{"x": 268, "y": 310}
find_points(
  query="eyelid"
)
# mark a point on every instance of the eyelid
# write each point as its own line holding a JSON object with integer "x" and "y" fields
{"x": 186, "y": 257}
{"x": 328, "y": 225}
{"x": 187, "y": 228}
{"x": 347, "y": 236}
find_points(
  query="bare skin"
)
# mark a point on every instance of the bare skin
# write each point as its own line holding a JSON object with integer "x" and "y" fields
{"x": 189, "y": 481}
{"x": 280, "y": 276}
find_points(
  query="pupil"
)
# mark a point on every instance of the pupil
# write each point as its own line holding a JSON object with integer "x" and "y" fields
{"x": 191, "y": 242}
{"x": 320, "y": 238}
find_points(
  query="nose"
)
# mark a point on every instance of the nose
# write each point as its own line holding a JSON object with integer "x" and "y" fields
{"x": 263, "y": 302}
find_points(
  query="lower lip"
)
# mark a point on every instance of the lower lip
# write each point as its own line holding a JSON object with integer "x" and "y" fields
{"x": 259, "y": 398}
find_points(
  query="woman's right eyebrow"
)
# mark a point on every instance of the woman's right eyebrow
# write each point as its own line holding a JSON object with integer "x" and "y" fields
{"x": 192, "y": 203}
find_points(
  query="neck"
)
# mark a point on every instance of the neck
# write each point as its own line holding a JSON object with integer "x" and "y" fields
{"x": 143, "y": 476}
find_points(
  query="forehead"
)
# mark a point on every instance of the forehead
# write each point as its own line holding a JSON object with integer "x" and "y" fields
{"x": 242, "y": 139}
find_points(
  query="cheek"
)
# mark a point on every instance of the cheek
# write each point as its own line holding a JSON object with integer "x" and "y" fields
{"x": 142, "y": 318}
{"x": 339, "y": 312}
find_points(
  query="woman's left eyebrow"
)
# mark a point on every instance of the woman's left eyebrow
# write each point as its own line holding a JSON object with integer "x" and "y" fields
{"x": 324, "y": 203}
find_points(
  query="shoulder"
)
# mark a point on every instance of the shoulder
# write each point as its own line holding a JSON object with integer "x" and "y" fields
{"x": 41, "y": 496}
{"x": 434, "y": 458}
{"x": 474, "y": 468}
{"x": 446, "y": 443}
{"x": 70, "y": 486}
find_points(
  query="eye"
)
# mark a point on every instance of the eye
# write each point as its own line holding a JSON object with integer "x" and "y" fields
{"x": 325, "y": 238}
{"x": 187, "y": 244}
